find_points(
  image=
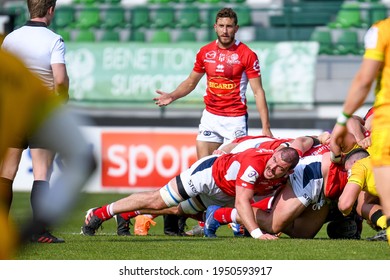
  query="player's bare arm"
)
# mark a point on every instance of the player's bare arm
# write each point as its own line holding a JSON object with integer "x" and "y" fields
{"x": 185, "y": 87}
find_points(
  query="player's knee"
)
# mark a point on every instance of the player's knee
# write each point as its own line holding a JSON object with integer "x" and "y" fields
{"x": 170, "y": 196}
{"x": 190, "y": 207}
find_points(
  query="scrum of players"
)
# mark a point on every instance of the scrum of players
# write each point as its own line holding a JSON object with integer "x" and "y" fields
{"x": 322, "y": 188}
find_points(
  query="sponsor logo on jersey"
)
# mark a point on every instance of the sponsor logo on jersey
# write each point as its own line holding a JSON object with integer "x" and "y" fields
{"x": 220, "y": 68}
{"x": 221, "y": 86}
{"x": 239, "y": 133}
{"x": 211, "y": 55}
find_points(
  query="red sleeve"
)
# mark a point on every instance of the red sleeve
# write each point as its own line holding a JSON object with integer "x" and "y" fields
{"x": 337, "y": 179}
{"x": 198, "y": 65}
{"x": 252, "y": 65}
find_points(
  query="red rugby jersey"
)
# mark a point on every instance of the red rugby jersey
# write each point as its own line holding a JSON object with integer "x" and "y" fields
{"x": 245, "y": 169}
{"x": 228, "y": 72}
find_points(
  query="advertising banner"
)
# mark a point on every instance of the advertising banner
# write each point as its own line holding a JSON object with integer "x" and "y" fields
{"x": 128, "y": 74}
{"x": 136, "y": 159}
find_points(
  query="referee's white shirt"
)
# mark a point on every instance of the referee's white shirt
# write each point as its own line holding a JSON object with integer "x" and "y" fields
{"x": 38, "y": 47}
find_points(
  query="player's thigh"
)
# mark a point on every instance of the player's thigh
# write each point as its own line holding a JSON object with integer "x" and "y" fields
{"x": 10, "y": 163}
{"x": 286, "y": 208}
{"x": 206, "y": 148}
{"x": 309, "y": 223}
{"x": 42, "y": 161}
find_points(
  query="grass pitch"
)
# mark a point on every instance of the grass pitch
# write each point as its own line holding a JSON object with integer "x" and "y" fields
{"x": 157, "y": 246}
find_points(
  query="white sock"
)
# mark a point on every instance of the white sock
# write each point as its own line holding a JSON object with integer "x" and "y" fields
{"x": 233, "y": 216}
{"x": 109, "y": 210}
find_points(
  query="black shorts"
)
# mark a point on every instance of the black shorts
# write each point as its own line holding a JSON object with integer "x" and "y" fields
{"x": 26, "y": 141}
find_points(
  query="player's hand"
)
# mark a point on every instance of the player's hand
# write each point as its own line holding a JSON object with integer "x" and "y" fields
{"x": 365, "y": 143}
{"x": 324, "y": 138}
{"x": 267, "y": 132}
{"x": 336, "y": 139}
{"x": 163, "y": 100}
{"x": 267, "y": 236}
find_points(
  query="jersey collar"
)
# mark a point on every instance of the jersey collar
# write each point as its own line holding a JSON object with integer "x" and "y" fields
{"x": 36, "y": 23}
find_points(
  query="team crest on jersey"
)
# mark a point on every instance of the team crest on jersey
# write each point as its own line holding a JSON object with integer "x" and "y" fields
{"x": 250, "y": 175}
{"x": 256, "y": 65}
{"x": 233, "y": 59}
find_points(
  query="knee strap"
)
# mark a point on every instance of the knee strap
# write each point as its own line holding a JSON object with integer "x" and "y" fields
{"x": 170, "y": 197}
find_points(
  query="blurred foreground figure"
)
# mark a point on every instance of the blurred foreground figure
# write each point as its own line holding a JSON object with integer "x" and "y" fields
{"x": 375, "y": 67}
{"x": 27, "y": 107}
{"x": 43, "y": 53}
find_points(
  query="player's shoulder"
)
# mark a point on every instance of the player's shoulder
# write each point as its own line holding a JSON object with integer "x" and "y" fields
{"x": 243, "y": 47}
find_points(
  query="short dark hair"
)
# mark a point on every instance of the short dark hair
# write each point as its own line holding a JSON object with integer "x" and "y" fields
{"x": 358, "y": 151}
{"x": 290, "y": 155}
{"x": 227, "y": 13}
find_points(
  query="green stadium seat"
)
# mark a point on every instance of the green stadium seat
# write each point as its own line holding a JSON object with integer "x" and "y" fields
{"x": 324, "y": 38}
{"x": 159, "y": 1}
{"x": 88, "y": 17}
{"x": 140, "y": 17}
{"x": 186, "y": 1}
{"x": 189, "y": 16}
{"x": 65, "y": 34}
{"x": 186, "y": 36}
{"x": 114, "y": 17}
{"x": 113, "y": 2}
{"x": 211, "y": 13}
{"x": 347, "y": 43}
{"x": 235, "y": 1}
{"x": 348, "y": 16}
{"x": 161, "y": 36}
{"x": 272, "y": 34}
{"x": 164, "y": 16}
{"x": 64, "y": 17}
{"x": 88, "y": 2}
{"x": 244, "y": 15}
{"x": 85, "y": 35}
{"x": 110, "y": 35}
{"x": 137, "y": 36}
{"x": 19, "y": 9}
{"x": 376, "y": 12}
{"x": 210, "y": 1}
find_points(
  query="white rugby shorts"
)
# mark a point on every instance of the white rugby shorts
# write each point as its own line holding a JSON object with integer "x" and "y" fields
{"x": 197, "y": 181}
{"x": 307, "y": 181}
{"x": 218, "y": 129}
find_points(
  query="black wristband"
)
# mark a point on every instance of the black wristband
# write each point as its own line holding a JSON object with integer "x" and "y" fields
{"x": 316, "y": 141}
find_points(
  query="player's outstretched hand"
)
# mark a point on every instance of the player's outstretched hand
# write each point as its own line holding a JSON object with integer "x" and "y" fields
{"x": 163, "y": 99}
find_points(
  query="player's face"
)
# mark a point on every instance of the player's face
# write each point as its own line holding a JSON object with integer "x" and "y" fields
{"x": 225, "y": 30}
{"x": 276, "y": 167}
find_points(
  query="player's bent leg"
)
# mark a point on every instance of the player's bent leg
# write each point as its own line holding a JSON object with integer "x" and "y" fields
{"x": 204, "y": 148}
{"x": 286, "y": 208}
{"x": 308, "y": 224}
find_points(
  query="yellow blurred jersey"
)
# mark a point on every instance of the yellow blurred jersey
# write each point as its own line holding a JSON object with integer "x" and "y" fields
{"x": 24, "y": 101}
{"x": 377, "y": 44}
